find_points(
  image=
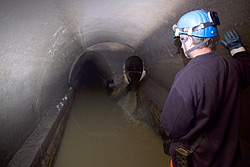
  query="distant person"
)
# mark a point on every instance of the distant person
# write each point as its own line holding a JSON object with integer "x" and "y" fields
{"x": 202, "y": 111}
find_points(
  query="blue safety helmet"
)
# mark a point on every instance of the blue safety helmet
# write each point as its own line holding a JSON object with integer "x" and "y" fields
{"x": 197, "y": 23}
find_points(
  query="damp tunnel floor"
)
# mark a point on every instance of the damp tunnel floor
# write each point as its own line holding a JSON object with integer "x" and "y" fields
{"x": 100, "y": 132}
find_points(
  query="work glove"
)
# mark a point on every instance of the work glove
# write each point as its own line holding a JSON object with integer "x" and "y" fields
{"x": 232, "y": 42}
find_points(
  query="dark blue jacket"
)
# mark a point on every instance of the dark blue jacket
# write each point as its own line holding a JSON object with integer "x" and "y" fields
{"x": 192, "y": 106}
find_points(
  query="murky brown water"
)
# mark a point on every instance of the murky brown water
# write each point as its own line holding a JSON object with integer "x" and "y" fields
{"x": 100, "y": 133}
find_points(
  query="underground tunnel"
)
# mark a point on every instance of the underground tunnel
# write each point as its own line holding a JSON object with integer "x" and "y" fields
{"x": 133, "y": 71}
{"x": 49, "y": 49}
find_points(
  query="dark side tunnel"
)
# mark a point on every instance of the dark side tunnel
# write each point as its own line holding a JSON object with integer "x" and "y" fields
{"x": 133, "y": 71}
{"x": 95, "y": 72}
{"x": 46, "y": 46}
{"x": 91, "y": 75}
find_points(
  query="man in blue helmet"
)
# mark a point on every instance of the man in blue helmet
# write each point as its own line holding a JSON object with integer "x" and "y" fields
{"x": 202, "y": 111}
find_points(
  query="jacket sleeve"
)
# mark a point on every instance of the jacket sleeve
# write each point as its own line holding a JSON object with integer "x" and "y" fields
{"x": 244, "y": 60}
{"x": 176, "y": 117}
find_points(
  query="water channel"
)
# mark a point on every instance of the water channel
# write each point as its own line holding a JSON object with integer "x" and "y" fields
{"x": 102, "y": 133}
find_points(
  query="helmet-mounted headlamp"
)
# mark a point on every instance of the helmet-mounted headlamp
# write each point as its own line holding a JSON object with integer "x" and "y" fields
{"x": 212, "y": 20}
{"x": 196, "y": 23}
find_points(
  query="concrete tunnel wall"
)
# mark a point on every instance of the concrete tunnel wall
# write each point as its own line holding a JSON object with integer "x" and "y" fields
{"x": 40, "y": 41}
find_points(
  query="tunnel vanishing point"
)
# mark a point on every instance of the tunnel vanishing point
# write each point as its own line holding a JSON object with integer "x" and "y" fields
{"x": 48, "y": 47}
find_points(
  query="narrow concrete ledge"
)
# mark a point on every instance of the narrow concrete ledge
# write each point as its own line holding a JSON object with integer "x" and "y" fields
{"x": 41, "y": 147}
{"x": 152, "y": 98}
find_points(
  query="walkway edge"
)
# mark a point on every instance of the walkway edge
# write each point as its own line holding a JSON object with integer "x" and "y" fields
{"x": 42, "y": 145}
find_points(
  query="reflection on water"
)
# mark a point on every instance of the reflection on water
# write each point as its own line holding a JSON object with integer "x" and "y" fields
{"x": 100, "y": 133}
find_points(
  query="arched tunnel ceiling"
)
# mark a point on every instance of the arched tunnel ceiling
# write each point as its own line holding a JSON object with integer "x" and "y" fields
{"x": 131, "y": 22}
{"x": 127, "y": 22}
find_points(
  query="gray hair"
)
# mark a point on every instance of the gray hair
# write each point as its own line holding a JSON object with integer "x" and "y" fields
{"x": 197, "y": 40}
